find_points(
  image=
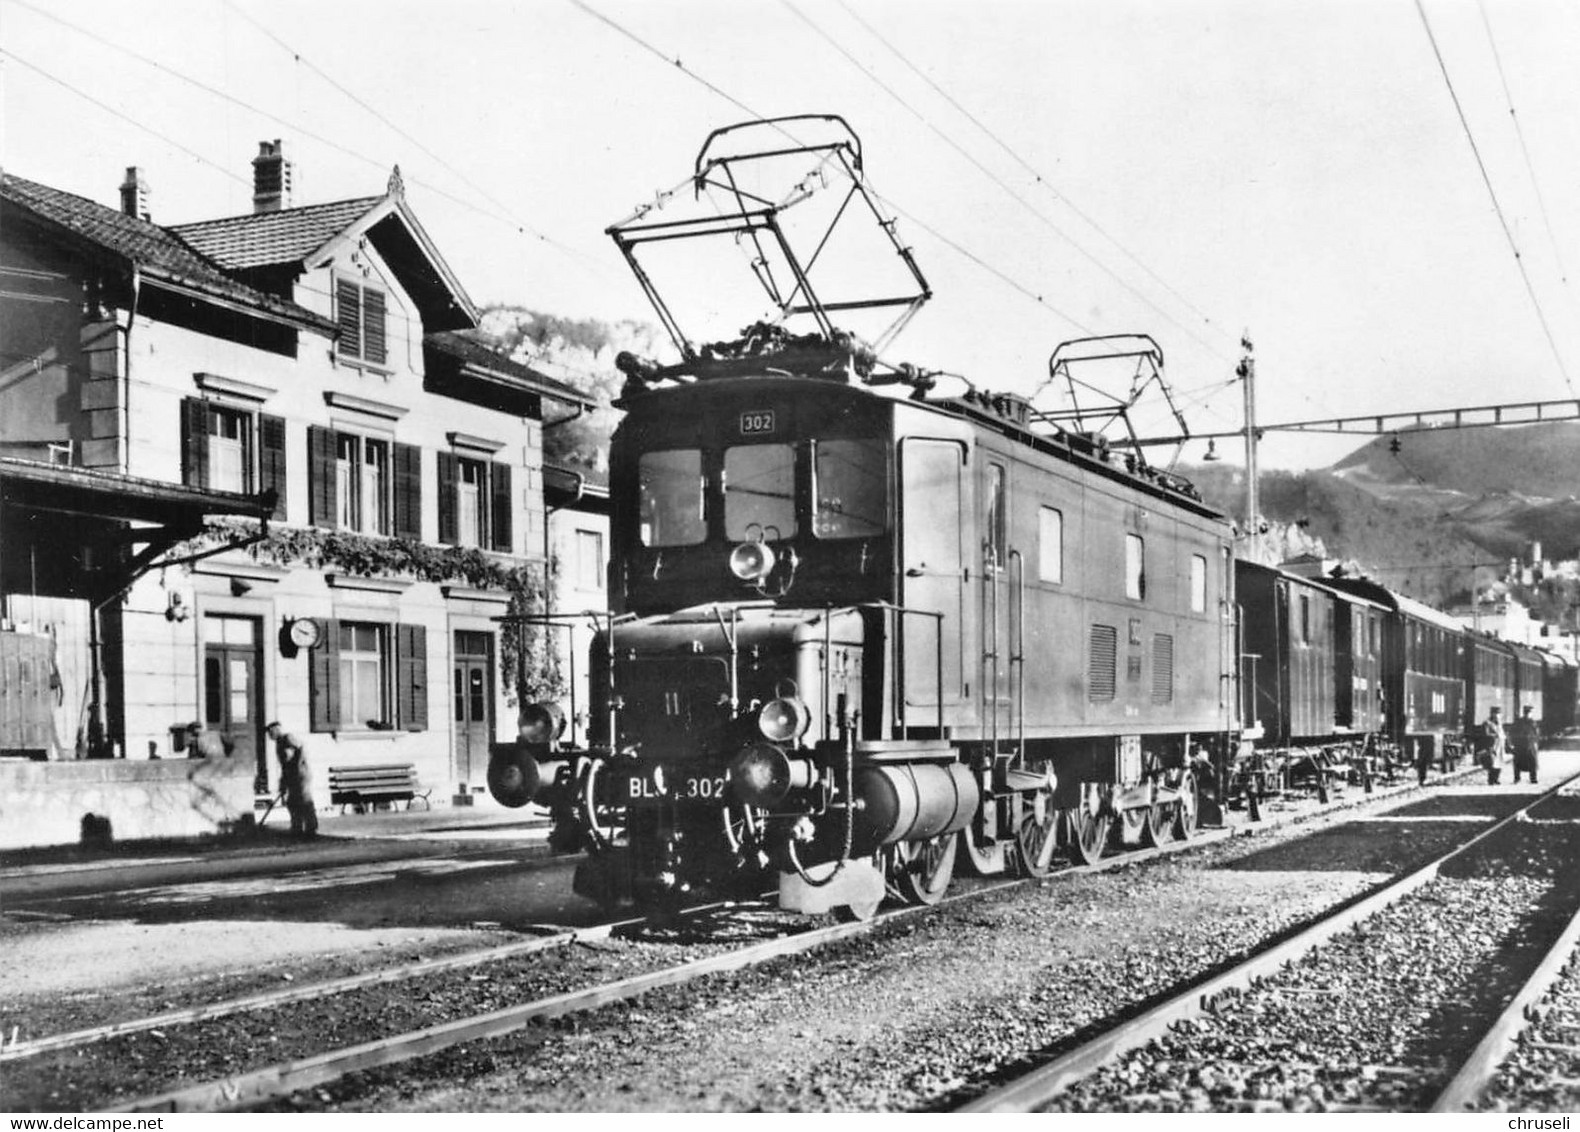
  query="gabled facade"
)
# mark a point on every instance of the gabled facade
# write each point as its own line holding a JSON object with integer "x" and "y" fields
{"x": 309, "y": 359}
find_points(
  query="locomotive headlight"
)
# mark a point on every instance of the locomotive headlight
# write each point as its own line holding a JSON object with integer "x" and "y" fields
{"x": 784, "y": 720}
{"x": 762, "y": 774}
{"x": 541, "y": 723}
{"x": 752, "y": 561}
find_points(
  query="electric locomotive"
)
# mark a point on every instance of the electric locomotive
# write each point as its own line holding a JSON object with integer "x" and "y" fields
{"x": 861, "y": 629}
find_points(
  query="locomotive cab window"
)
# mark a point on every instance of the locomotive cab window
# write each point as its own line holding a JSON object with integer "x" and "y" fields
{"x": 995, "y": 521}
{"x": 1050, "y": 545}
{"x": 1198, "y": 584}
{"x": 759, "y": 492}
{"x": 671, "y": 509}
{"x": 1135, "y": 567}
{"x": 848, "y": 486}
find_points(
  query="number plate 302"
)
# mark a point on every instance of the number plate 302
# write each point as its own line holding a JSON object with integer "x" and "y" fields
{"x": 757, "y": 422}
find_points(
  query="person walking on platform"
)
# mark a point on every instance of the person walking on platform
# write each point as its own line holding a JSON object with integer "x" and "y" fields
{"x": 1523, "y": 738}
{"x": 1491, "y": 742}
{"x": 295, "y": 781}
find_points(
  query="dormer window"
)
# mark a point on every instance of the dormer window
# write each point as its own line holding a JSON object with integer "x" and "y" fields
{"x": 360, "y": 312}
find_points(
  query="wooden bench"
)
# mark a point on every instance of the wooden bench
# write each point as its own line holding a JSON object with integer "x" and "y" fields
{"x": 361, "y": 786}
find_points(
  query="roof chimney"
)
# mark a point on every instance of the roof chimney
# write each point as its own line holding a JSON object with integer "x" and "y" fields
{"x": 134, "y": 194}
{"x": 271, "y": 178}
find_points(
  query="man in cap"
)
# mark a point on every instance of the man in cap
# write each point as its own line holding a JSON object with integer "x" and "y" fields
{"x": 295, "y": 781}
{"x": 1491, "y": 743}
{"x": 1523, "y": 737}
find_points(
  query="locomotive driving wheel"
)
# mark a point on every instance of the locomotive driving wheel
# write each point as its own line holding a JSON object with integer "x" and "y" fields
{"x": 1187, "y": 810}
{"x": 1158, "y": 825}
{"x": 1088, "y": 834}
{"x": 920, "y": 871}
{"x": 984, "y": 860}
{"x": 1131, "y": 827}
{"x": 1038, "y": 835}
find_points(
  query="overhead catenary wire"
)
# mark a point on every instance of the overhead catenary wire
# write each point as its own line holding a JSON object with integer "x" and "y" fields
{"x": 1497, "y": 206}
{"x": 954, "y": 245}
{"x": 992, "y": 176}
{"x": 1530, "y": 167}
{"x": 1037, "y": 176}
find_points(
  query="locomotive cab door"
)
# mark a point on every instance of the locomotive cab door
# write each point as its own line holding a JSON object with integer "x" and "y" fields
{"x": 1001, "y": 593}
{"x": 934, "y": 571}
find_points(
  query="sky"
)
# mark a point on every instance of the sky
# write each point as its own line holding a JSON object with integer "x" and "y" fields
{"x": 1311, "y": 175}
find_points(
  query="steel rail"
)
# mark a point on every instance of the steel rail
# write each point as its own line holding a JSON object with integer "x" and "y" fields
{"x": 255, "y": 1087}
{"x": 193, "y": 1098}
{"x": 260, "y": 1085}
{"x": 1482, "y": 1065}
{"x": 1041, "y": 1085}
{"x": 18, "y": 1050}
{"x": 265, "y": 1000}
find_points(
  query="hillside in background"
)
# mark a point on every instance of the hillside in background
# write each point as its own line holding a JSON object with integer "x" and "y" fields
{"x": 581, "y": 353}
{"x": 1447, "y": 511}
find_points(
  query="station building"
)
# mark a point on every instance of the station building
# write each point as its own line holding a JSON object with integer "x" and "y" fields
{"x": 254, "y": 469}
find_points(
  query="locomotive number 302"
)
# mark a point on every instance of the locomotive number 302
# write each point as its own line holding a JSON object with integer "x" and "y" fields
{"x": 757, "y": 422}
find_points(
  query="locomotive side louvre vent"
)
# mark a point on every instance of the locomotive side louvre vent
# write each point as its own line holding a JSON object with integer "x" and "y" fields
{"x": 1102, "y": 656}
{"x": 1162, "y": 668}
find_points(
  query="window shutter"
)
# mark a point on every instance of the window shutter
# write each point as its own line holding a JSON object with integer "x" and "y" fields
{"x": 373, "y": 325}
{"x": 449, "y": 473}
{"x": 348, "y": 312}
{"x": 500, "y": 506}
{"x": 321, "y": 476}
{"x": 408, "y": 491}
{"x": 271, "y": 460}
{"x": 194, "y": 442}
{"x": 411, "y": 676}
{"x": 324, "y": 674}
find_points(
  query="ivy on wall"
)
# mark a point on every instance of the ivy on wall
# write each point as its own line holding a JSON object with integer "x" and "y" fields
{"x": 530, "y": 668}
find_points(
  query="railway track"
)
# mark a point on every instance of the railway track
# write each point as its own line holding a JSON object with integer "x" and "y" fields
{"x": 168, "y": 1037}
{"x": 1418, "y": 956}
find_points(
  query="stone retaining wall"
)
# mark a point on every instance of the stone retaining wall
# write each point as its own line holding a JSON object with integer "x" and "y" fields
{"x": 62, "y": 803}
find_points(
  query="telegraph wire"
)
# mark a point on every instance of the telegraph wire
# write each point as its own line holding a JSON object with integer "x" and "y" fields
{"x": 108, "y": 109}
{"x": 1497, "y": 207}
{"x": 992, "y": 176}
{"x": 504, "y": 210}
{"x": 1039, "y": 178}
{"x": 1530, "y": 168}
{"x": 302, "y": 130}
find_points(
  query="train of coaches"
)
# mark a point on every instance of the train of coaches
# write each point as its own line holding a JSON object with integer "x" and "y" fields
{"x": 1341, "y": 675}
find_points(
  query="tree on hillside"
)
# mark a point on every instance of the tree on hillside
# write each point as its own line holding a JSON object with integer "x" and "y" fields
{"x": 581, "y": 353}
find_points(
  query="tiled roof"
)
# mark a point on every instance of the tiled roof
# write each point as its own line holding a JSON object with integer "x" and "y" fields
{"x": 467, "y": 349}
{"x": 264, "y": 239}
{"x": 157, "y": 251}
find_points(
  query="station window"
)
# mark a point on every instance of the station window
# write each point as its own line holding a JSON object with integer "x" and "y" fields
{"x": 1050, "y": 545}
{"x": 759, "y": 492}
{"x": 363, "y": 680}
{"x": 849, "y": 482}
{"x": 1135, "y": 567}
{"x": 671, "y": 506}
